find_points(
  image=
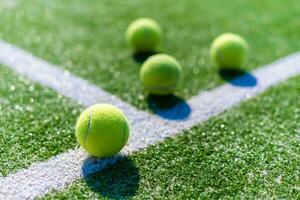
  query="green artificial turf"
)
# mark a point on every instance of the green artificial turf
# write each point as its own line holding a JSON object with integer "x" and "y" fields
{"x": 36, "y": 123}
{"x": 87, "y": 37}
{"x": 249, "y": 152}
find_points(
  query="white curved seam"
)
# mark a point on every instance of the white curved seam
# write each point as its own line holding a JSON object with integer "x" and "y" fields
{"x": 88, "y": 128}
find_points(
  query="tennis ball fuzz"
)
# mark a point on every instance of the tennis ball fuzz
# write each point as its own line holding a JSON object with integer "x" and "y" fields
{"x": 229, "y": 50}
{"x": 143, "y": 34}
{"x": 102, "y": 130}
{"x": 160, "y": 74}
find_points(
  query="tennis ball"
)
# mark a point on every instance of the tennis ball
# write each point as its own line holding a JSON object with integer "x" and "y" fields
{"x": 143, "y": 34}
{"x": 229, "y": 50}
{"x": 160, "y": 74}
{"x": 102, "y": 130}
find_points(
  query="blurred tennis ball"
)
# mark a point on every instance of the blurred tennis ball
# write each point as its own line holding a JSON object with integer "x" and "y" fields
{"x": 160, "y": 74}
{"x": 229, "y": 50}
{"x": 143, "y": 34}
{"x": 102, "y": 130}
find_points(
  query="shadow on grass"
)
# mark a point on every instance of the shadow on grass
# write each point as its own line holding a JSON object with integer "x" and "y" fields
{"x": 117, "y": 181}
{"x": 238, "y": 77}
{"x": 169, "y": 107}
{"x": 140, "y": 57}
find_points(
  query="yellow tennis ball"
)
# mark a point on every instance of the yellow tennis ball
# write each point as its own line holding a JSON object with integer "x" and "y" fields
{"x": 160, "y": 74}
{"x": 229, "y": 50}
{"x": 102, "y": 130}
{"x": 143, "y": 34}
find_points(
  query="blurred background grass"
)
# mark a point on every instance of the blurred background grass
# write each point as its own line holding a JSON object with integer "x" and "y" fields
{"x": 87, "y": 37}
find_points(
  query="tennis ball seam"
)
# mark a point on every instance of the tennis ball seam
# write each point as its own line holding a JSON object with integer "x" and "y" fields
{"x": 123, "y": 139}
{"x": 90, "y": 125}
{"x": 88, "y": 128}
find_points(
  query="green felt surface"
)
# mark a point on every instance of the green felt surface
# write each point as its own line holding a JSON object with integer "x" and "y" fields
{"x": 36, "y": 123}
{"x": 87, "y": 37}
{"x": 251, "y": 151}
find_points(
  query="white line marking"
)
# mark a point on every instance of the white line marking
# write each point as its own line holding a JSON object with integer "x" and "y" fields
{"x": 52, "y": 76}
{"x": 146, "y": 129}
{"x": 8, "y": 4}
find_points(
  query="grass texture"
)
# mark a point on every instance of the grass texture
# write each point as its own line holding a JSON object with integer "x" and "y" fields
{"x": 87, "y": 37}
{"x": 36, "y": 123}
{"x": 251, "y": 151}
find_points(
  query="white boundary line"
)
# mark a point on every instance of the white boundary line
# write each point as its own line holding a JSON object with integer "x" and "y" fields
{"x": 147, "y": 129}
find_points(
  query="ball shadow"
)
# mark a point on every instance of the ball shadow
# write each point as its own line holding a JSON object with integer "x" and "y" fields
{"x": 117, "y": 181}
{"x": 140, "y": 57}
{"x": 238, "y": 77}
{"x": 169, "y": 107}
